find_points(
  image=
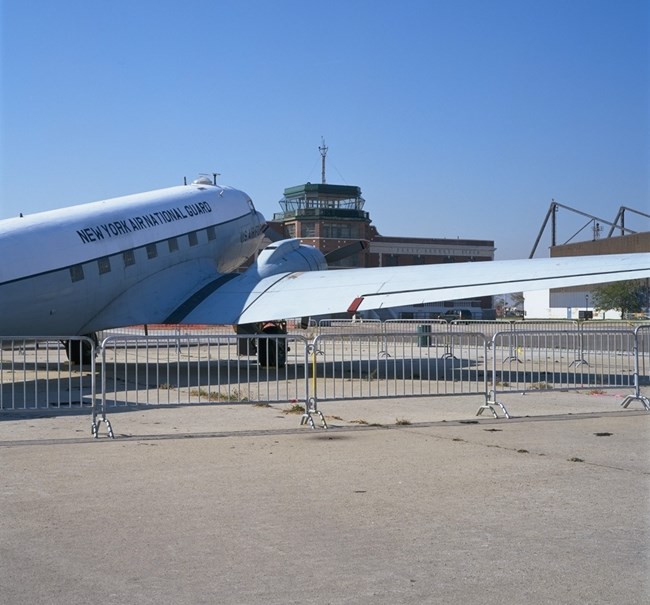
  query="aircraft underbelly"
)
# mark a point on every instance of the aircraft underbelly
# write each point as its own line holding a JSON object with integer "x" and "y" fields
{"x": 43, "y": 305}
{"x": 145, "y": 292}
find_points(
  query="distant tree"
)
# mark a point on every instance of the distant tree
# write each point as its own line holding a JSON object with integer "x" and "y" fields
{"x": 623, "y": 296}
{"x": 517, "y": 299}
{"x": 500, "y": 305}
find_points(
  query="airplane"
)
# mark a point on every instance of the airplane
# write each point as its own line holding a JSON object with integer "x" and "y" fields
{"x": 170, "y": 256}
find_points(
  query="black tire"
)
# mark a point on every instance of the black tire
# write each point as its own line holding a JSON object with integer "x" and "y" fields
{"x": 272, "y": 351}
{"x": 80, "y": 352}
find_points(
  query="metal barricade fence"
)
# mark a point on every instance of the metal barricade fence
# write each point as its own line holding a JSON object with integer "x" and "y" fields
{"x": 36, "y": 374}
{"x": 166, "y": 330}
{"x": 352, "y": 325}
{"x": 222, "y": 368}
{"x": 360, "y": 365}
{"x": 642, "y": 367}
{"x": 163, "y": 370}
{"x": 569, "y": 359}
{"x": 414, "y": 325}
{"x": 643, "y": 352}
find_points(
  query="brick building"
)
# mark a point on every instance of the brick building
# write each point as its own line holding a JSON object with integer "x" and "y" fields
{"x": 332, "y": 217}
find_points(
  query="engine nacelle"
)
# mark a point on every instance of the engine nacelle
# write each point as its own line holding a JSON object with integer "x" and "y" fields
{"x": 288, "y": 256}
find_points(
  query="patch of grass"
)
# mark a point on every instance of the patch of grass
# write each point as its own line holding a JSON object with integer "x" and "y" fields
{"x": 402, "y": 421}
{"x": 596, "y": 392}
{"x": 262, "y": 404}
{"x": 296, "y": 408}
{"x": 166, "y": 387}
{"x": 366, "y": 423}
{"x": 575, "y": 459}
{"x": 540, "y": 386}
{"x": 233, "y": 395}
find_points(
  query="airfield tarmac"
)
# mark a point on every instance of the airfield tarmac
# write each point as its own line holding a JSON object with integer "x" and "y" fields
{"x": 238, "y": 504}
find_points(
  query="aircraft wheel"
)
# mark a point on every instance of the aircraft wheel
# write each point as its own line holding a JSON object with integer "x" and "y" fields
{"x": 80, "y": 352}
{"x": 272, "y": 352}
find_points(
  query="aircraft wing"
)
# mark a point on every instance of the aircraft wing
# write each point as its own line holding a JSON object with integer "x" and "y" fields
{"x": 246, "y": 298}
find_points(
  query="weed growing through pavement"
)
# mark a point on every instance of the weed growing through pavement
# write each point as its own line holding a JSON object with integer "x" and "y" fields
{"x": 540, "y": 386}
{"x": 233, "y": 395}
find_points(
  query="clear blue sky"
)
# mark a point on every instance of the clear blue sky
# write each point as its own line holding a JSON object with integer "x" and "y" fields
{"x": 456, "y": 118}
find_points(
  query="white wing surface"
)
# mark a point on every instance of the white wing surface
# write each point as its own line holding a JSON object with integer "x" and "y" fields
{"x": 247, "y": 299}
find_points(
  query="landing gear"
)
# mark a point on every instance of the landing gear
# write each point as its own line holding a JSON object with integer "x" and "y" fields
{"x": 80, "y": 352}
{"x": 272, "y": 350}
{"x": 247, "y": 346}
{"x": 267, "y": 341}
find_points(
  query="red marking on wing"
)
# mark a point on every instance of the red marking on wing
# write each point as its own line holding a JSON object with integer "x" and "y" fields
{"x": 355, "y": 304}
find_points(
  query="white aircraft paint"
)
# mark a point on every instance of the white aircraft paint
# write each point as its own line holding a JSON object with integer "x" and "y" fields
{"x": 90, "y": 267}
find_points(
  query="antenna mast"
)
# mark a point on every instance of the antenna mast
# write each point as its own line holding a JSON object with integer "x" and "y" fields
{"x": 323, "y": 153}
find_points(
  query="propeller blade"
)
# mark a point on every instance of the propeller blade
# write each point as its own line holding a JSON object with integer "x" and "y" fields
{"x": 345, "y": 251}
{"x": 273, "y": 235}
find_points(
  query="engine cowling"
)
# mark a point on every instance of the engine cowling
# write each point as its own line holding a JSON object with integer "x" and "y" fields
{"x": 288, "y": 256}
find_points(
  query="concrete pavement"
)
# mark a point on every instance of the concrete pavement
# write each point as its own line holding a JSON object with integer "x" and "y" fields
{"x": 239, "y": 505}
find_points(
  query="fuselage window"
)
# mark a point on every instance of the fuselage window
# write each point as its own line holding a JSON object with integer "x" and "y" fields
{"x": 76, "y": 273}
{"x": 212, "y": 234}
{"x": 152, "y": 252}
{"x": 129, "y": 258}
{"x": 193, "y": 238}
{"x": 104, "y": 265}
{"x": 173, "y": 244}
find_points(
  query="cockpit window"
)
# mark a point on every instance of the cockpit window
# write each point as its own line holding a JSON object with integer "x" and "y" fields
{"x": 250, "y": 205}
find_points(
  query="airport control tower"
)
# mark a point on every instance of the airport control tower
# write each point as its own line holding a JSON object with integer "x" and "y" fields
{"x": 332, "y": 218}
{"x": 329, "y": 217}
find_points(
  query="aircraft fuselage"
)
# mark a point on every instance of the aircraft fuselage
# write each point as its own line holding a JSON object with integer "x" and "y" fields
{"x": 100, "y": 265}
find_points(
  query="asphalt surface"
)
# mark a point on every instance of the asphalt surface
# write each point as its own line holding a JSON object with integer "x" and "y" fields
{"x": 398, "y": 502}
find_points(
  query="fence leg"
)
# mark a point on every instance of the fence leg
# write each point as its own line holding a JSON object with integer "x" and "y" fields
{"x": 102, "y": 417}
{"x": 645, "y": 402}
{"x": 581, "y": 359}
{"x": 311, "y": 406}
{"x": 311, "y": 409}
{"x": 514, "y": 349}
{"x": 97, "y": 422}
{"x": 490, "y": 403}
{"x": 99, "y": 418}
